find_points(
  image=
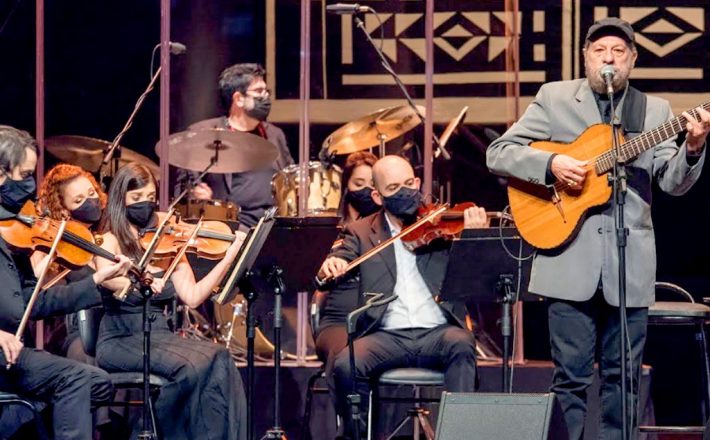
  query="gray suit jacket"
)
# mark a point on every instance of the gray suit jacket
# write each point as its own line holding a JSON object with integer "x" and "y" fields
{"x": 560, "y": 112}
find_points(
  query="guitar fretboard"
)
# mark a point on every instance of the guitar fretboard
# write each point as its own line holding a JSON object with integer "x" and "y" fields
{"x": 648, "y": 139}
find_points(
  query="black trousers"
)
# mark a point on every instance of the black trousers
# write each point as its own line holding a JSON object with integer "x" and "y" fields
{"x": 330, "y": 341}
{"x": 580, "y": 333}
{"x": 69, "y": 386}
{"x": 447, "y": 348}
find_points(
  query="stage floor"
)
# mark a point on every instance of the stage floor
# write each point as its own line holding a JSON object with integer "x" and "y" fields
{"x": 531, "y": 377}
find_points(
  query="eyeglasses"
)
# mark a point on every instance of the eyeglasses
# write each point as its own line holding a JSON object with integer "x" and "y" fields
{"x": 261, "y": 91}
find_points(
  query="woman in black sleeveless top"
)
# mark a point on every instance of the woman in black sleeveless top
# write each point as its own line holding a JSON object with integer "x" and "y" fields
{"x": 205, "y": 398}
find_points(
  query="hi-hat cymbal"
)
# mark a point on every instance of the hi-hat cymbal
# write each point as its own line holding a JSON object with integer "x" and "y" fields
{"x": 237, "y": 151}
{"x": 366, "y": 132}
{"x": 88, "y": 153}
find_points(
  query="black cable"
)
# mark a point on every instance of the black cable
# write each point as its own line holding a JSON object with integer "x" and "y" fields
{"x": 9, "y": 15}
{"x": 382, "y": 28}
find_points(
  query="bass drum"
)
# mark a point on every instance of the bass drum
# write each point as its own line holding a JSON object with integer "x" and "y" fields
{"x": 324, "y": 190}
{"x": 231, "y": 325}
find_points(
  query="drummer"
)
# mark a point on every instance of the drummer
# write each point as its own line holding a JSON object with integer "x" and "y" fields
{"x": 248, "y": 102}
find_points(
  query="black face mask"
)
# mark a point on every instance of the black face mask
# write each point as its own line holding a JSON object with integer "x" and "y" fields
{"x": 14, "y": 193}
{"x": 141, "y": 213}
{"x": 362, "y": 201}
{"x": 88, "y": 212}
{"x": 403, "y": 203}
{"x": 262, "y": 108}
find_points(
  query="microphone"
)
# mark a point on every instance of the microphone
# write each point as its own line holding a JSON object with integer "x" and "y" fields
{"x": 346, "y": 8}
{"x": 607, "y": 73}
{"x": 177, "y": 48}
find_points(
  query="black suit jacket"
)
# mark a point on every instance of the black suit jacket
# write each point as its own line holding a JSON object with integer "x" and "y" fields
{"x": 379, "y": 273}
{"x": 17, "y": 282}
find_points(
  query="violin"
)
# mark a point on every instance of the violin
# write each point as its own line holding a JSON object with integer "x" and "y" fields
{"x": 210, "y": 242}
{"x": 30, "y": 231}
{"x": 447, "y": 225}
{"x": 322, "y": 281}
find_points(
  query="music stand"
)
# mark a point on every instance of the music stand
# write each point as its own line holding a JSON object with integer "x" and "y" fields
{"x": 487, "y": 265}
{"x": 285, "y": 252}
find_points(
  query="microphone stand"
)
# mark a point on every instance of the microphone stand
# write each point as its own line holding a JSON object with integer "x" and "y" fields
{"x": 112, "y": 154}
{"x": 276, "y": 431}
{"x": 145, "y": 280}
{"x": 376, "y": 300}
{"x": 618, "y": 182}
{"x": 388, "y": 68}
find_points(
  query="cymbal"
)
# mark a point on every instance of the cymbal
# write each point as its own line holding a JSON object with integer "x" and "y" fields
{"x": 88, "y": 153}
{"x": 363, "y": 133}
{"x": 452, "y": 126}
{"x": 238, "y": 151}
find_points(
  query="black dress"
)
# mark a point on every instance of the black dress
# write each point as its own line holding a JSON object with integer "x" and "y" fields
{"x": 205, "y": 398}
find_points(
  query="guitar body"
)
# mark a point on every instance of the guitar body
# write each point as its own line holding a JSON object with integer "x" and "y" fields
{"x": 536, "y": 216}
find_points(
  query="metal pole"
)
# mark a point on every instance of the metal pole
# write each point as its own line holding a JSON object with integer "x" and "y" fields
{"x": 164, "y": 103}
{"x": 304, "y": 138}
{"x": 429, "y": 97}
{"x": 39, "y": 117}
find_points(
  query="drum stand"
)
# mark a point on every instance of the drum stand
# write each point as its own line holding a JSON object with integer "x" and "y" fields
{"x": 193, "y": 182}
{"x": 383, "y": 139}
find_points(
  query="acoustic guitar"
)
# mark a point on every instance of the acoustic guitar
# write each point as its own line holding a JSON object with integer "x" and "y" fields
{"x": 549, "y": 216}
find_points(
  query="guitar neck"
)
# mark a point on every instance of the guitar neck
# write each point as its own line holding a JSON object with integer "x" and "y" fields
{"x": 645, "y": 141}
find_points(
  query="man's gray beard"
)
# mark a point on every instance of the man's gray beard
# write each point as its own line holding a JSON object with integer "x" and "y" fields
{"x": 597, "y": 84}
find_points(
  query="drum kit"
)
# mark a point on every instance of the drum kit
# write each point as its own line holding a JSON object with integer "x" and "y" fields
{"x": 226, "y": 151}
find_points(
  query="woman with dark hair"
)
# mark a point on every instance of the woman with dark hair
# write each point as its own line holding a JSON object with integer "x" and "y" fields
{"x": 356, "y": 201}
{"x": 204, "y": 398}
{"x": 343, "y": 298}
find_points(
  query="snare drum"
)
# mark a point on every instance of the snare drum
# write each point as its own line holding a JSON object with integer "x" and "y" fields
{"x": 324, "y": 190}
{"x": 220, "y": 210}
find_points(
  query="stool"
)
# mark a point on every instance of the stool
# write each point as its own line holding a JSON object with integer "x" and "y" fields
{"x": 416, "y": 378}
{"x": 14, "y": 399}
{"x": 690, "y": 313}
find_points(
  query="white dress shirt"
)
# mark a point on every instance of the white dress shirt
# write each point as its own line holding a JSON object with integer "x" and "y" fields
{"x": 415, "y": 306}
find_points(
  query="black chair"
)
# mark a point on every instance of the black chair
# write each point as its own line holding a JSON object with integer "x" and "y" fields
{"x": 7, "y": 399}
{"x": 88, "y": 322}
{"x": 688, "y": 313}
{"x": 314, "y": 318}
{"x": 417, "y": 378}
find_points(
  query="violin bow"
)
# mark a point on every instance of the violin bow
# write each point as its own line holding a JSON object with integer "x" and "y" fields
{"x": 375, "y": 250}
{"x": 57, "y": 278}
{"x": 148, "y": 254}
{"x": 40, "y": 282}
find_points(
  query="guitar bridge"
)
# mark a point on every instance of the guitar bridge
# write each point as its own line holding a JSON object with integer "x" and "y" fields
{"x": 557, "y": 201}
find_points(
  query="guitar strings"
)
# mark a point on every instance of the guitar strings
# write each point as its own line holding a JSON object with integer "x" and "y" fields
{"x": 637, "y": 145}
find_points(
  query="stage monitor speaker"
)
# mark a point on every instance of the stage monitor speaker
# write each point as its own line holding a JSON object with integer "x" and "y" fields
{"x": 485, "y": 416}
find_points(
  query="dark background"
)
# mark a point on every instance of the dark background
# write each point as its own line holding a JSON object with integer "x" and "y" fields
{"x": 97, "y": 64}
